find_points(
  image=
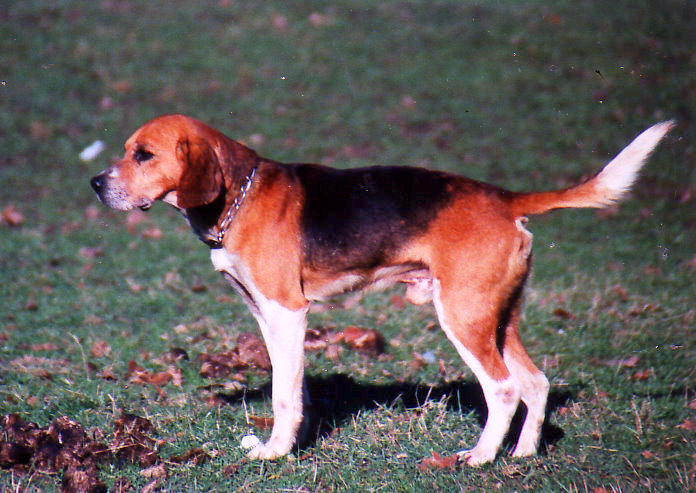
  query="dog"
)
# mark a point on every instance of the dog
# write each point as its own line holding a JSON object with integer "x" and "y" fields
{"x": 285, "y": 235}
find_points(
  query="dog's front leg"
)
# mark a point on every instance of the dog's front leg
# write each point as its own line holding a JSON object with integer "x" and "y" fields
{"x": 283, "y": 330}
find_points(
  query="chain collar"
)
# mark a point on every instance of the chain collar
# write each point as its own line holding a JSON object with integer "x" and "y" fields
{"x": 232, "y": 211}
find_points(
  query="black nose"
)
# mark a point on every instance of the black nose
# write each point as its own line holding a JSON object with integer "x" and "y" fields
{"x": 97, "y": 183}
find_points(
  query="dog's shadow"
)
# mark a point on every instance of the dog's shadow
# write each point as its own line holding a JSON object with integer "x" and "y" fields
{"x": 336, "y": 398}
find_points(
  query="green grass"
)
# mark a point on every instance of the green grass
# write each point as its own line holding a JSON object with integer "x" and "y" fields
{"x": 526, "y": 96}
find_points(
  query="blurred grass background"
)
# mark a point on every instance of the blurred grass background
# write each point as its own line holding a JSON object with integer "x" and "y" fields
{"x": 526, "y": 96}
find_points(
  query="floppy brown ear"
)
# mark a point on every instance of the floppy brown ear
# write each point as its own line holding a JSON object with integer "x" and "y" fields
{"x": 202, "y": 180}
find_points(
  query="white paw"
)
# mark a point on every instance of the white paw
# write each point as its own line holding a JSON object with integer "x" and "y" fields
{"x": 524, "y": 450}
{"x": 476, "y": 456}
{"x": 267, "y": 451}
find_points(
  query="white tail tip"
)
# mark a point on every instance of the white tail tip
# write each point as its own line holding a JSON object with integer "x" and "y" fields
{"x": 618, "y": 176}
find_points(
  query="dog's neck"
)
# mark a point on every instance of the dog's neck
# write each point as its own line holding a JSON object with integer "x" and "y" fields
{"x": 211, "y": 222}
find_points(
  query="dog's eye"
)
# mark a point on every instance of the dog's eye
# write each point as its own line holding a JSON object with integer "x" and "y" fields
{"x": 141, "y": 155}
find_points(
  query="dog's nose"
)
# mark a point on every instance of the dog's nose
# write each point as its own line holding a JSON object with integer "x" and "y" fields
{"x": 97, "y": 183}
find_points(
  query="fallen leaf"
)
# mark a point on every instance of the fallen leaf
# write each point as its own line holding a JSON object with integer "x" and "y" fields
{"x": 31, "y": 305}
{"x": 99, "y": 349}
{"x": 629, "y": 362}
{"x": 317, "y": 338}
{"x": 152, "y": 234}
{"x": 691, "y": 264}
{"x": 157, "y": 471}
{"x": 333, "y": 351}
{"x": 279, "y": 22}
{"x": 10, "y": 216}
{"x": 195, "y": 456}
{"x": 642, "y": 375}
{"x": 318, "y": 20}
{"x": 46, "y": 346}
{"x": 408, "y": 102}
{"x": 199, "y": 288}
{"x": 438, "y": 462}
{"x": 398, "y": 302}
{"x": 93, "y": 320}
{"x": 233, "y": 469}
{"x": 644, "y": 308}
{"x": 91, "y": 252}
{"x": 131, "y": 441}
{"x": 172, "y": 356}
{"x": 362, "y": 339}
{"x": 688, "y": 425}
{"x": 252, "y": 351}
{"x": 107, "y": 374}
{"x": 563, "y": 313}
{"x": 134, "y": 218}
{"x": 261, "y": 423}
{"x": 122, "y": 86}
{"x": 39, "y": 130}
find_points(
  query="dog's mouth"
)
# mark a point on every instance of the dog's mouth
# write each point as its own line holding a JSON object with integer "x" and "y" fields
{"x": 145, "y": 206}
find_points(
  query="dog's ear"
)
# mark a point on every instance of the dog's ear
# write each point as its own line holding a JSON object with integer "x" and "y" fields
{"x": 202, "y": 180}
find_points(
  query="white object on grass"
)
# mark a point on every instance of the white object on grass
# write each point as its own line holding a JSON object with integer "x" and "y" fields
{"x": 250, "y": 441}
{"x": 92, "y": 151}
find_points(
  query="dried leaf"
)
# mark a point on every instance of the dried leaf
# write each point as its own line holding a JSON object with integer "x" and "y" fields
{"x": 688, "y": 425}
{"x": 134, "y": 218}
{"x": 91, "y": 252}
{"x": 158, "y": 471}
{"x": 398, "y": 302}
{"x": 46, "y": 346}
{"x": 629, "y": 362}
{"x": 642, "y": 375}
{"x": 279, "y": 22}
{"x": 362, "y": 339}
{"x": 152, "y": 234}
{"x": 99, "y": 349}
{"x": 252, "y": 351}
{"x": 261, "y": 423}
{"x": 10, "y": 216}
{"x": 122, "y": 86}
{"x": 438, "y": 462}
{"x": 317, "y": 338}
{"x": 195, "y": 456}
{"x": 318, "y": 20}
{"x": 563, "y": 313}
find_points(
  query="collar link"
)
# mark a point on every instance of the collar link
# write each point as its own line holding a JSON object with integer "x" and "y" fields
{"x": 232, "y": 211}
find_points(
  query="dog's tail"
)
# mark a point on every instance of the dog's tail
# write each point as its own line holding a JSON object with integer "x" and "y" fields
{"x": 605, "y": 188}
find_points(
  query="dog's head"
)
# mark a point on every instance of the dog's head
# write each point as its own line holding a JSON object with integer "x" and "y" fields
{"x": 172, "y": 158}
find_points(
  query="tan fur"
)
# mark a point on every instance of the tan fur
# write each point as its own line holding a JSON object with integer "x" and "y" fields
{"x": 471, "y": 260}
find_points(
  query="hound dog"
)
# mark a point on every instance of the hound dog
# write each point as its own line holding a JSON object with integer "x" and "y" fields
{"x": 285, "y": 235}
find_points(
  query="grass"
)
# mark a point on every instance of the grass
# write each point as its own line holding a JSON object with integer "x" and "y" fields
{"x": 526, "y": 96}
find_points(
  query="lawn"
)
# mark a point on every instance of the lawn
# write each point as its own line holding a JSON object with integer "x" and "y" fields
{"x": 105, "y": 315}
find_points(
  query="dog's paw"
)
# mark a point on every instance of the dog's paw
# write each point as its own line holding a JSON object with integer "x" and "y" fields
{"x": 524, "y": 450}
{"x": 269, "y": 450}
{"x": 476, "y": 456}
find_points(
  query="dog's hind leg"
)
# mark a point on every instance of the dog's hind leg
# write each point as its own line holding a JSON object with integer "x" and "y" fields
{"x": 532, "y": 382}
{"x": 469, "y": 321}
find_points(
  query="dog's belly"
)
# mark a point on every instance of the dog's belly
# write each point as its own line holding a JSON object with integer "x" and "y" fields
{"x": 318, "y": 286}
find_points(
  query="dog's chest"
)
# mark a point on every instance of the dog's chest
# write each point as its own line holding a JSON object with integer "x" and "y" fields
{"x": 233, "y": 269}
